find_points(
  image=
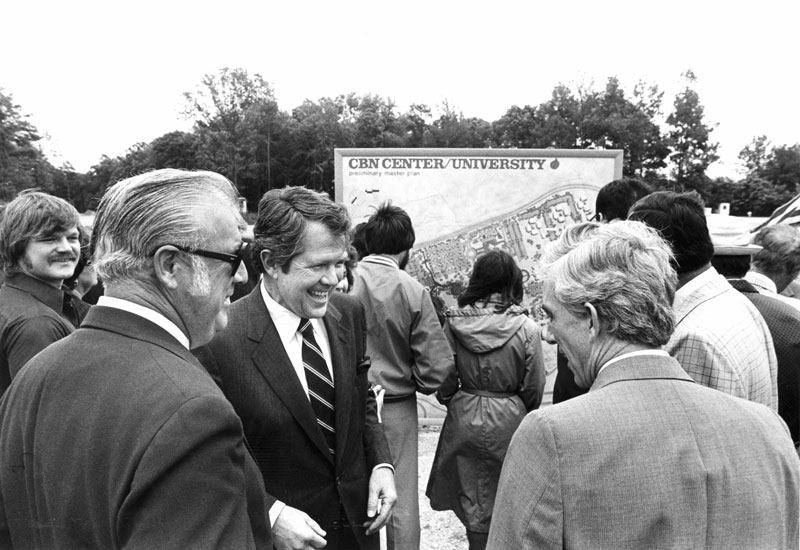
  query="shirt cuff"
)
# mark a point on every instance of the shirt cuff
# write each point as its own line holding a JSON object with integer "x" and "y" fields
{"x": 274, "y": 511}
{"x": 383, "y": 465}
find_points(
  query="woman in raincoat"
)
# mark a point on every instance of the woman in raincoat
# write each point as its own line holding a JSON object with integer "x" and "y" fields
{"x": 498, "y": 378}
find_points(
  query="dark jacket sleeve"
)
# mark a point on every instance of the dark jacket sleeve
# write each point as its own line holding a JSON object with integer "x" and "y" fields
{"x": 183, "y": 459}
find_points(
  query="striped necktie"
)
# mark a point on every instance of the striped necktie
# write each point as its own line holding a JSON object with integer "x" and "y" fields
{"x": 320, "y": 384}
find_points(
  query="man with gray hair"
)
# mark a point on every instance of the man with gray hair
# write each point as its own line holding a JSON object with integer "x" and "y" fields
{"x": 777, "y": 264}
{"x": 39, "y": 248}
{"x": 645, "y": 459}
{"x": 115, "y": 436}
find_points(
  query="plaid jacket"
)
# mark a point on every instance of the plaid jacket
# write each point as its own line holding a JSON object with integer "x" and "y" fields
{"x": 722, "y": 342}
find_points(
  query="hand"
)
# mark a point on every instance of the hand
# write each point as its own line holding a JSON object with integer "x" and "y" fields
{"x": 295, "y": 530}
{"x": 382, "y": 497}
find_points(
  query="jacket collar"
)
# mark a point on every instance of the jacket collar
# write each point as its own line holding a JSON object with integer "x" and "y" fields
{"x": 710, "y": 285}
{"x": 271, "y": 360}
{"x": 49, "y": 295}
{"x": 652, "y": 367}
{"x": 134, "y": 326}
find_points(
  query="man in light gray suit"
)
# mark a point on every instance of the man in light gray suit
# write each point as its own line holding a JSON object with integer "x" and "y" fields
{"x": 648, "y": 458}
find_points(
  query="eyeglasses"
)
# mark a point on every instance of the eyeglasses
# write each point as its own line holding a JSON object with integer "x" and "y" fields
{"x": 234, "y": 259}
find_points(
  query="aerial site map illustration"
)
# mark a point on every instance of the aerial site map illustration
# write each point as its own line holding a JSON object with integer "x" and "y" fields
{"x": 466, "y": 201}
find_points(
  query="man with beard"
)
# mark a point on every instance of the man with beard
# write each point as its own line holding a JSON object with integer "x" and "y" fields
{"x": 39, "y": 247}
{"x": 409, "y": 353}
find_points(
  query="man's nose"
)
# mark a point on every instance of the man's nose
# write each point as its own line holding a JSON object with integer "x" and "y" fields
{"x": 62, "y": 243}
{"x": 547, "y": 334}
{"x": 331, "y": 276}
{"x": 241, "y": 274}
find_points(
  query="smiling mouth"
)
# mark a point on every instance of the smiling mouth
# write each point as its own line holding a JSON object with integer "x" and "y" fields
{"x": 318, "y": 295}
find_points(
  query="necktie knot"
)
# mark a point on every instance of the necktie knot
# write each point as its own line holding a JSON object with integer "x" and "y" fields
{"x": 305, "y": 324}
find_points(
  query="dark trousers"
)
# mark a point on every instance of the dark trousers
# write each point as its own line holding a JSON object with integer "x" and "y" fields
{"x": 477, "y": 541}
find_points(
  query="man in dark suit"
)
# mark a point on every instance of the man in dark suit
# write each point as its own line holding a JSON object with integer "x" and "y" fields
{"x": 115, "y": 436}
{"x": 732, "y": 259}
{"x": 292, "y": 362}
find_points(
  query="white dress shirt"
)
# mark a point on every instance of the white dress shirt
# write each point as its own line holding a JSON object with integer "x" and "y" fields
{"x": 287, "y": 323}
{"x": 147, "y": 313}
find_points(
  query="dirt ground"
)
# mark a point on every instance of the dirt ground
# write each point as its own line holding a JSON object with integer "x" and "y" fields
{"x": 440, "y": 530}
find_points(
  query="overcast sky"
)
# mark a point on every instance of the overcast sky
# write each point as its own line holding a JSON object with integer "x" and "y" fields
{"x": 97, "y": 77}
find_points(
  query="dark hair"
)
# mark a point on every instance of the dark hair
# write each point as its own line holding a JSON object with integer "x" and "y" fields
{"x": 680, "y": 219}
{"x": 388, "y": 231}
{"x": 731, "y": 266}
{"x": 283, "y": 216}
{"x": 357, "y": 241}
{"x": 615, "y": 198}
{"x": 494, "y": 272}
{"x": 350, "y": 266}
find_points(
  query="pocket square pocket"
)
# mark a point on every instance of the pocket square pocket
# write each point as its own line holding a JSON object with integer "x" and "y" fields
{"x": 363, "y": 365}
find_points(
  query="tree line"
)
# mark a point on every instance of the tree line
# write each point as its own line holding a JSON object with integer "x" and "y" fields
{"x": 239, "y": 131}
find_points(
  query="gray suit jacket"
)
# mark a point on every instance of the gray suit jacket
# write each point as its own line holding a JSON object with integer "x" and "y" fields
{"x": 649, "y": 459}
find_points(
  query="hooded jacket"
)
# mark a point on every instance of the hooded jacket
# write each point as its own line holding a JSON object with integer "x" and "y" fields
{"x": 498, "y": 378}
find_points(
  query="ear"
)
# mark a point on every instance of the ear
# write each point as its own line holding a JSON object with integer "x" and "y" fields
{"x": 166, "y": 265}
{"x": 594, "y": 319}
{"x": 270, "y": 267}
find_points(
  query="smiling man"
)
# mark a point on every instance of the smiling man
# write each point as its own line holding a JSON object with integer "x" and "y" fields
{"x": 115, "y": 436}
{"x": 39, "y": 247}
{"x": 292, "y": 361}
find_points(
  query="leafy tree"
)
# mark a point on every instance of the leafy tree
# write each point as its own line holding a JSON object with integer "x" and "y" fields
{"x": 754, "y": 155}
{"x": 516, "y": 128}
{"x": 612, "y": 121}
{"x": 319, "y": 128}
{"x": 782, "y": 167}
{"x": 22, "y": 164}
{"x": 175, "y": 150}
{"x": 451, "y": 129}
{"x": 226, "y": 108}
{"x": 375, "y": 122}
{"x": 559, "y": 120}
{"x": 416, "y": 123}
{"x": 689, "y": 138}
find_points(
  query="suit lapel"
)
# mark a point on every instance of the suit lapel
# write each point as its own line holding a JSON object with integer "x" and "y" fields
{"x": 271, "y": 360}
{"x": 340, "y": 342}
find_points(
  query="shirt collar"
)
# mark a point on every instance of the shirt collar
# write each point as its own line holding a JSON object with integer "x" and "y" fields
{"x": 686, "y": 290}
{"x": 381, "y": 259}
{"x": 286, "y": 321}
{"x": 761, "y": 281}
{"x": 51, "y": 296}
{"x": 639, "y": 353}
{"x": 149, "y": 314}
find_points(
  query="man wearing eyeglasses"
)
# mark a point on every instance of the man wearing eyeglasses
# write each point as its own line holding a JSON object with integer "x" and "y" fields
{"x": 116, "y": 437}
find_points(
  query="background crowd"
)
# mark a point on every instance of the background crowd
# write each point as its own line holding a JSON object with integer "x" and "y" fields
{"x": 237, "y": 391}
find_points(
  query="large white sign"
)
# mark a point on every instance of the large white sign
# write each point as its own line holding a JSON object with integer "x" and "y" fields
{"x": 465, "y": 201}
